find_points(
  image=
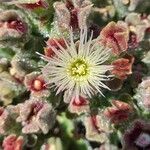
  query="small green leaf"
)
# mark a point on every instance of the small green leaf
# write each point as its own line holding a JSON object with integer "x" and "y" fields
{"x": 6, "y": 53}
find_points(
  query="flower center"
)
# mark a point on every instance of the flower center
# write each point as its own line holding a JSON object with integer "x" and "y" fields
{"x": 78, "y": 68}
{"x": 38, "y": 85}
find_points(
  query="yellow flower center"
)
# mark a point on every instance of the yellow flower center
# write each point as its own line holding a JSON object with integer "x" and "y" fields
{"x": 78, "y": 68}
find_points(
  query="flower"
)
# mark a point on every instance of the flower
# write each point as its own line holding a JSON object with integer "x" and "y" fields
{"x": 137, "y": 24}
{"x": 79, "y": 69}
{"x": 119, "y": 112}
{"x": 12, "y": 142}
{"x": 122, "y": 67}
{"x": 137, "y": 137}
{"x": 32, "y": 4}
{"x": 36, "y": 116}
{"x": 143, "y": 94}
{"x": 51, "y": 43}
{"x": 79, "y": 106}
{"x": 36, "y": 84}
{"x": 53, "y": 143}
{"x": 115, "y": 36}
{"x": 72, "y": 13}
{"x": 11, "y": 25}
{"x": 97, "y": 128}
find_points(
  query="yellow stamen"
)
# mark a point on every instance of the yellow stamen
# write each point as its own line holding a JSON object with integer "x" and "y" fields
{"x": 78, "y": 68}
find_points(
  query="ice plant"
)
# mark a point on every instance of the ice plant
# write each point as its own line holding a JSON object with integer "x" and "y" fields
{"x": 115, "y": 36}
{"x": 79, "y": 106}
{"x": 28, "y": 4}
{"x": 97, "y": 128}
{"x": 12, "y": 142}
{"x": 74, "y": 74}
{"x": 137, "y": 25}
{"x": 123, "y": 67}
{"x": 72, "y": 13}
{"x": 36, "y": 116}
{"x": 79, "y": 69}
{"x": 35, "y": 83}
{"x": 138, "y": 136}
{"x": 119, "y": 112}
{"x": 11, "y": 25}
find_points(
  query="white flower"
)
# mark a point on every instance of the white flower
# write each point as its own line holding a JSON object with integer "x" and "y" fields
{"x": 97, "y": 128}
{"x": 36, "y": 115}
{"x": 143, "y": 94}
{"x": 79, "y": 69}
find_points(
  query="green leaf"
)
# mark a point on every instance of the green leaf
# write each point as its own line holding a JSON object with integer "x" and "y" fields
{"x": 35, "y": 44}
{"x": 6, "y": 53}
